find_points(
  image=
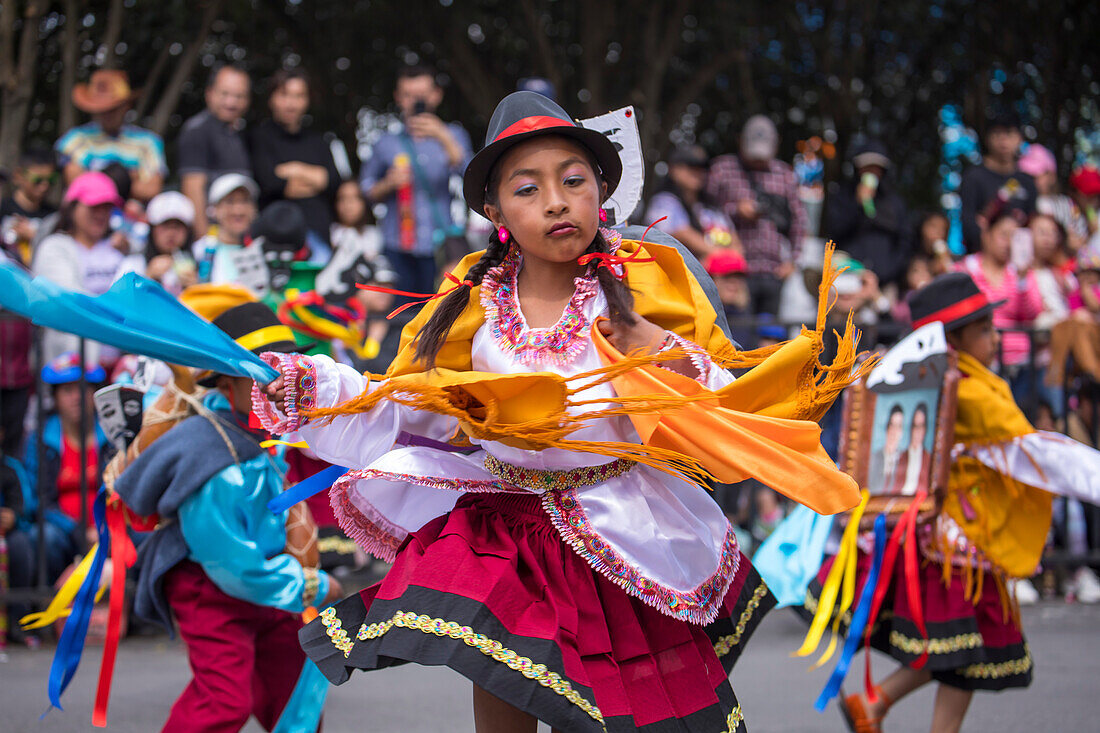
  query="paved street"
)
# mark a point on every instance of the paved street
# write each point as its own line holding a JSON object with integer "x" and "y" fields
{"x": 775, "y": 690}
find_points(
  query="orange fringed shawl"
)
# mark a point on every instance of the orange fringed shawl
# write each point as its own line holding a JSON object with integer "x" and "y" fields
{"x": 786, "y": 388}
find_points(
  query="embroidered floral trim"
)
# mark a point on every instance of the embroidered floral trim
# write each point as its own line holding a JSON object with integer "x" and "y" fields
{"x": 489, "y": 647}
{"x": 545, "y": 479}
{"x": 724, "y": 644}
{"x": 735, "y": 719}
{"x": 300, "y": 380}
{"x": 336, "y": 633}
{"x": 375, "y": 534}
{"x": 560, "y": 344}
{"x": 997, "y": 670}
{"x": 699, "y": 606}
{"x": 435, "y": 482}
{"x": 699, "y": 357}
{"x": 944, "y": 645}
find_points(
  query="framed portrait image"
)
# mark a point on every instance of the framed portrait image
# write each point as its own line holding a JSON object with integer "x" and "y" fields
{"x": 898, "y": 425}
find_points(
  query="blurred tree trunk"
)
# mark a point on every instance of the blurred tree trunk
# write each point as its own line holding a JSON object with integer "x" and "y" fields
{"x": 17, "y": 73}
{"x": 151, "y": 81}
{"x": 547, "y": 63}
{"x": 70, "y": 50}
{"x": 112, "y": 35}
{"x": 660, "y": 39}
{"x": 170, "y": 99}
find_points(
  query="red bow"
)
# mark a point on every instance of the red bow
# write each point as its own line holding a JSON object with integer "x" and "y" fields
{"x": 607, "y": 260}
{"x": 421, "y": 298}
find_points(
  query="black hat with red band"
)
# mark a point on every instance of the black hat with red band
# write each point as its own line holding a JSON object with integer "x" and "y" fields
{"x": 954, "y": 299}
{"x": 521, "y": 116}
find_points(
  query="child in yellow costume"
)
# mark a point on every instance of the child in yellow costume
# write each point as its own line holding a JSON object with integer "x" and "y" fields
{"x": 538, "y": 491}
{"x": 992, "y": 528}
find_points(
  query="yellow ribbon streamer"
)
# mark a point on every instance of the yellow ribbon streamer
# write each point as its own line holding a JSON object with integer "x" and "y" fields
{"x": 62, "y": 602}
{"x": 269, "y": 443}
{"x": 843, "y": 570}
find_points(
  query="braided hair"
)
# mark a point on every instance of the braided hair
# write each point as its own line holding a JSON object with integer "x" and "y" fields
{"x": 430, "y": 339}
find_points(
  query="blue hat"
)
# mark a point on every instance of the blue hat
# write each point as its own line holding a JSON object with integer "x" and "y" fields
{"x": 65, "y": 369}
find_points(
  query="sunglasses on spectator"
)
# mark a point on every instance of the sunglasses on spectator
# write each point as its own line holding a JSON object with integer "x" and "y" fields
{"x": 39, "y": 180}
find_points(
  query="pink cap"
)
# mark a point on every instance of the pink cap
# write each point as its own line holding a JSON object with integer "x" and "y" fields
{"x": 1037, "y": 160}
{"x": 725, "y": 262}
{"x": 92, "y": 189}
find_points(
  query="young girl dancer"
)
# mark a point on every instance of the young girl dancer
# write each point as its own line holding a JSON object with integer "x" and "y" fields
{"x": 590, "y": 593}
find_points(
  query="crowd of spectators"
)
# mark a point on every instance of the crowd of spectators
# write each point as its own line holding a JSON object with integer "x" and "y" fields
{"x": 261, "y": 202}
{"x": 1029, "y": 247}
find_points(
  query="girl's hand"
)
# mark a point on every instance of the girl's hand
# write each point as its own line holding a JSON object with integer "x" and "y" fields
{"x": 642, "y": 335}
{"x": 158, "y": 266}
{"x": 276, "y": 393}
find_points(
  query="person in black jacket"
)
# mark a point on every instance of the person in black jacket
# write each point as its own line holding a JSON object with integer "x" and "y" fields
{"x": 867, "y": 219}
{"x": 998, "y": 177}
{"x": 294, "y": 163}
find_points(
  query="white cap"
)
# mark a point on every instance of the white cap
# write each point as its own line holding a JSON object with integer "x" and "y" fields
{"x": 168, "y": 206}
{"x": 227, "y": 184}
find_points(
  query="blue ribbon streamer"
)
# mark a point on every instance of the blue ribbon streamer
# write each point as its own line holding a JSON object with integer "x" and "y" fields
{"x": 859, "y": 620}
{"x": 302, "y": 490}
{"x": 70, "y": 647}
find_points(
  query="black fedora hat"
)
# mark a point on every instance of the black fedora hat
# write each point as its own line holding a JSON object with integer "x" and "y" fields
{"x": 255, "y": 327}
{"x": 521, "y": 116}
{"x": 953, "y": 298}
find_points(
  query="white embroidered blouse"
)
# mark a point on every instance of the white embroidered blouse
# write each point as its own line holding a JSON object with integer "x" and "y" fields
{"x": 661, "y": 538}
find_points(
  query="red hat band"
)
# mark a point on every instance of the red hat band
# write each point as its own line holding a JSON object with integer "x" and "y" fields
{"x": 964, "y": 307}
{"x": 530, "y": 124}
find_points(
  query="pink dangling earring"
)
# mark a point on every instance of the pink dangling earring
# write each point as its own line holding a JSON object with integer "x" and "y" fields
{"x": 603, "y": 215}
{"x": 503, "y": 234}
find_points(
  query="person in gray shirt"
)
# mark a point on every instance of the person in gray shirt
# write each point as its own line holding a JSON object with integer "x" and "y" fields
{"x": 212, "y": 143}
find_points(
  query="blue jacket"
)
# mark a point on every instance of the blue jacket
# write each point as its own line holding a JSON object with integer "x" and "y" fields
{"x": 213, "y": 507}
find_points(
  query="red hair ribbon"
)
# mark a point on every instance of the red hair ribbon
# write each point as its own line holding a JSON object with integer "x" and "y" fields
{"x": 421, "y": 298}
{"x": 607, "y": 260}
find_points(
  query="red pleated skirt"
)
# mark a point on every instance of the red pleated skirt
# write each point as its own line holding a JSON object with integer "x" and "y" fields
{"x": 971, "y": 646}
{"x": 491, "y": 591}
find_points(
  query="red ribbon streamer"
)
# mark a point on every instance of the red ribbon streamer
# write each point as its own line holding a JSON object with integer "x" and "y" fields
{"x": 421, "y": 298}
{"x": 906, "y": 527}
{"x": 607, "y": 260}
{"x": 912, "y": 583}
{"x": 123, "y": 555}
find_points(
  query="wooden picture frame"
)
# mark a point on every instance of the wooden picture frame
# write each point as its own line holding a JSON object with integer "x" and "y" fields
{"x": 861, "y": 406}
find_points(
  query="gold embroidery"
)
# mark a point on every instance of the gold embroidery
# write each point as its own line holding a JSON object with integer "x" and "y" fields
{"x": 339, "y": 545}
{"x": 335, "y": 631}
{"x": 736, "y": 717}
{"x": 996, "y": 670}
{"x": 945, "y": 645}
{"x": 540, "y": 480}
{"x": 489, "y": 647}
{"x": 724, "y": 644}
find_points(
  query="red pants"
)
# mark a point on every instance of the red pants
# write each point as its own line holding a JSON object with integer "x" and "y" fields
{"x": 245, "y": 658}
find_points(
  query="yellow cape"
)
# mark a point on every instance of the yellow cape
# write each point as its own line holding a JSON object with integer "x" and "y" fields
{"x": 785, "y": 382}
{"x": 1007, "y": 521}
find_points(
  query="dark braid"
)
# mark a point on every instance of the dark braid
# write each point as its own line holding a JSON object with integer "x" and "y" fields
{"x": 434, "y": 333}
{"x": 620, "y": 300}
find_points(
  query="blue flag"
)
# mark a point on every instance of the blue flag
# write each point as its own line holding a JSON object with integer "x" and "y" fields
{"x": 135, "y": 315}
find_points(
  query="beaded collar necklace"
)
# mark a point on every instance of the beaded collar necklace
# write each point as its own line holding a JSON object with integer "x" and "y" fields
{"x": 559, "y": 344}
